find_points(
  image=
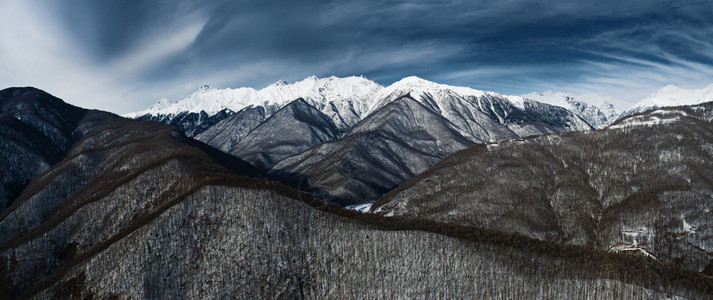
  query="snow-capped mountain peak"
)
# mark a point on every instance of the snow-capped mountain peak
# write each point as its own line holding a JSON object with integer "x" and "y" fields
{"x": 353, "y": 93}
{"x": 672, "y": 95}
{"x": 551, "y": 97}
{"x": 418, "y": 88}
{"x": 160, "y": 104}
{"x": 279, "y": 83}
{"x": 597, "y": 110}
{"x": 417, "y": 84}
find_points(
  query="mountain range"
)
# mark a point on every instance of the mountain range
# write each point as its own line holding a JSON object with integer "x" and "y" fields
{"x": 474, "y": 194}
{"x": 330, "y": 157}
{"x": 320, "y": 142}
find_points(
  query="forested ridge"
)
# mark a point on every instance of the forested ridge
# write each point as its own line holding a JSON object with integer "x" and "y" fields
{"x": 642, "y": 184}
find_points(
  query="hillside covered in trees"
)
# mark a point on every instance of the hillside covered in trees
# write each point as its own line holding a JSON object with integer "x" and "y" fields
{"x": 642, "y": 184}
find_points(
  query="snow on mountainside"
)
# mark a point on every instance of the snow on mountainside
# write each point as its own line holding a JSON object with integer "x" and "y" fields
{"x": 418, "y": 87}
{"x": 672, "y": 95}
{"x": 343, "y": 99}
{"x": 480, "y": 115}
{"x": 598, "y": 111}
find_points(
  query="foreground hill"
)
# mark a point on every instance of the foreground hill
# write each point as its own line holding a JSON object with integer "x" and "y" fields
{"x": 641, "y": 184}
{"x": 221, "y": 241}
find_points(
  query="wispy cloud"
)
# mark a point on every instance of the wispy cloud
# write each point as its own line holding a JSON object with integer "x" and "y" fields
{"x": 123, "y": 55}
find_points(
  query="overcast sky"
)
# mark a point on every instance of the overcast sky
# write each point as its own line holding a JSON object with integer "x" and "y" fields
{"x": 122, "y": 56}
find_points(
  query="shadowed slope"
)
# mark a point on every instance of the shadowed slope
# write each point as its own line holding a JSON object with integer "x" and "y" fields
{"x": 36, "y": 129}
{"x": 387, "y": 148}
{"x": 230, "y": 131}
{"x": 296, "y": 127}
{"x": 644, "y": 181}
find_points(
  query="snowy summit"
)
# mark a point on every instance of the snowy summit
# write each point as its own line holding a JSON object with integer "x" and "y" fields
{"x": 672, "y": 95}
{"x": 212, "y": 100}
{"x": 597, "y": 110}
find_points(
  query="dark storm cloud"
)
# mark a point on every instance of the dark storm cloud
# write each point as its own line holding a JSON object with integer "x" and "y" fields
{"x": 510, "y": 46}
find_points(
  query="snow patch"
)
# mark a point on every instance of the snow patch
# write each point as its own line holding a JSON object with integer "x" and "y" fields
{"x": 645, "y": 121}
{"x": 360, "y": 207}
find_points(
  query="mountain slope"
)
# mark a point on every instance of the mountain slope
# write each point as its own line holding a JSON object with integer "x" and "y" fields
{"x": 644, "y": 182}
{"x": 296, "y": 127}
{"x": 36, "y": 130}
{"x": 226, "y": 134}
{"x": 388, "y": 147}
{"x": 483, "y": 116}
{"x": 596, "y": 110}
{"x": 672, "y": 95}
{"x": 190, "y": 123}
{"x": 223, "y": 241}
{"x": 118, "y": 172}
{"x": 403, "y": 136}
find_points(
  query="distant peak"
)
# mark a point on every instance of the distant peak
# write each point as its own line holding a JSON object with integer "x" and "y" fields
{"x": 279, "y": 83}
{"x": 668, "y": 89}
{"x": 414, "y": 79}
{"x": 160, "y": 104}
{"x": 414, "y": 82}
{"x": 203, "y": 88}
{"x": 671, "y": 95}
